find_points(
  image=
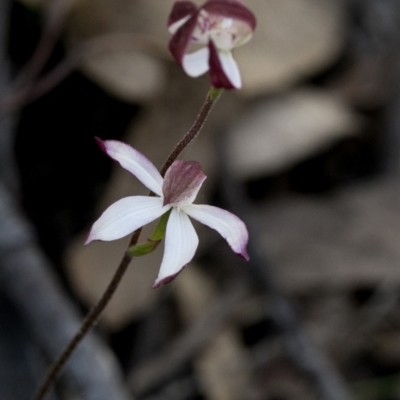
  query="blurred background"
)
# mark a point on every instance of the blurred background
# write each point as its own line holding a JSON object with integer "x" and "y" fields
{"x": 307, "y": 153}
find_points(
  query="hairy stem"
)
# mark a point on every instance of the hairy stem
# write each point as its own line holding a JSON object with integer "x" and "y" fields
{"x": 194, "y": 131}
{"x": 87, "y": 323}
{"x": 94, "y": 314}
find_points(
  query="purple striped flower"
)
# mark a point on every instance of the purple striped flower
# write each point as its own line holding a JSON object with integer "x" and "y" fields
{"x": 213, "y": 31}
{"x": 175, "y": 192}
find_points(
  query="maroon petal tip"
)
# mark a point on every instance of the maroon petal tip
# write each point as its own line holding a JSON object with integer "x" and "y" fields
{"x": 101, "y": 144}
{"x": 87, "y": 240}
{"x": 180, "y": 10}
{"x": 165, "y": 281}
{"x": 244, "y": 255}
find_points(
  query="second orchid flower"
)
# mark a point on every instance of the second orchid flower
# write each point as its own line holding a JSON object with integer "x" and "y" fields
{"x": 217, "y": 27}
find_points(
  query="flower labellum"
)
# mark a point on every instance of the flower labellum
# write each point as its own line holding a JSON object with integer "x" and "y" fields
{"x": 217, "y": 27}
{"x": 175, "y": 193}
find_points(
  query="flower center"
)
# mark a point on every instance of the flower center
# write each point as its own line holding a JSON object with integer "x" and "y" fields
{"x": 182, "y": 182}
{"x": 226, "y": 33}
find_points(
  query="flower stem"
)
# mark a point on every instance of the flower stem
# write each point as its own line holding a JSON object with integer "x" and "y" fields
{"x": 194, "y": 131}
{"x": 94, "y": 314}
{"x": 87, "y": 323}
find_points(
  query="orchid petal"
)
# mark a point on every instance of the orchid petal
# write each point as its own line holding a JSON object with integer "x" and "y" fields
{"x": 229, "y": 226}
{"x": 224, "y": 71}
{"x": 181, "y": 38}
{"x": 196, "y": 63}
{"x": 230, "y": 68}
{"x": 134, "y": 162}
{"x": 243, "y": 40}
{"x": 125, "y": 216}
{"x": 182, "y": 182}
{"x": 231, "y": 9}
{"x": 181, "y": 242}
{"x": 173, "y": 28}
{"x": 181, "y": 12}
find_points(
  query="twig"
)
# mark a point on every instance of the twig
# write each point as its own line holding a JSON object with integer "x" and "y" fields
{"x": 56, "y": 12}
{"x": 90, "y": 48}
{"x": 8, "y": 171}
{"x": 55, "y": 15}
{"x": 25, "y": 277}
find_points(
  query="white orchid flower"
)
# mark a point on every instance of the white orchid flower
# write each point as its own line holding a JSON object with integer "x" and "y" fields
{"x": 217, "y": 27}
{"x": 175, "y": 193}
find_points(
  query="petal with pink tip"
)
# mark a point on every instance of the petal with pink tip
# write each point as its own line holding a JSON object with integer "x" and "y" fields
{"x": 231, "y": 9}
{"x": 134, "y": 162}
{"x": 196, "y": 63}
{"x": 182, "y": 182}
{"x": 125, "y": 216}
{"x": 224, "y": 71}
{"x": 181, "y": 12}
{"x": 228, "y": 225}
{"x": 181, "y": 242}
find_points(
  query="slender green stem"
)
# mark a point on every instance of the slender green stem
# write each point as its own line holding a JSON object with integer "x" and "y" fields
{"x": 94, "y": 314}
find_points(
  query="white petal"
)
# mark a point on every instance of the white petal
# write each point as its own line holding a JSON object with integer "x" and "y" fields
{"x": 229, "y": 226}
{"x": 196, "y": 64}
{"x": 244, "y": 40}
{"x": 230, "y": 68}
{"x": 125, "y": 216}
{"x": 136, "y": 163}
{"x": 176, "y": 25}
{"x": 181, "y": 242}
